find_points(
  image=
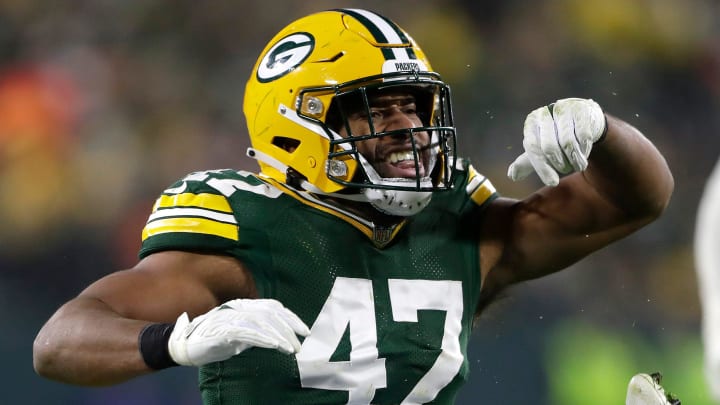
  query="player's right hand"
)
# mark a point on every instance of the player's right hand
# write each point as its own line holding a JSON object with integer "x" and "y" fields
{"x": 233, "y": 327}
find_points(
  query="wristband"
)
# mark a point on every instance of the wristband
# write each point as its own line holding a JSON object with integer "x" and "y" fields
{"x": 153, "y": 344}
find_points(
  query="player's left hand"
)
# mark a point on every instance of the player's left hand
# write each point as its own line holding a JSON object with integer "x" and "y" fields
{"x": 557, "y": 139}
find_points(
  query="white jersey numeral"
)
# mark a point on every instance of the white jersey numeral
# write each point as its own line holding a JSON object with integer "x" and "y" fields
{"x": 228, "y": 187}
{"x": 409, "y": 296}
{"x": 351, "y": 304}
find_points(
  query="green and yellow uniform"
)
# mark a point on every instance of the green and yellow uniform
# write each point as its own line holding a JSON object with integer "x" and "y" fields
{"x": 390, "y": 309}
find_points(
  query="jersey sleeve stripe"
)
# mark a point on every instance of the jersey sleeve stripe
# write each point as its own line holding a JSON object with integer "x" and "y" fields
{"x": 472, "y": 173}
{"x": 478, "y": 186}
{"x": 192, "y": 212}
{"x": 203, "y": 200}
{"x": 483, "y": 191}
{"x": 190, "y": 225}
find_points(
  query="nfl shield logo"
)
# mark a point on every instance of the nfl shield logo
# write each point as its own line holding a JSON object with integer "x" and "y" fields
{"x": 382, "y": 235}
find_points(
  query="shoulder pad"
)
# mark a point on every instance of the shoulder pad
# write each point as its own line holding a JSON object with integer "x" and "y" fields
{"x": 199, "y": 203}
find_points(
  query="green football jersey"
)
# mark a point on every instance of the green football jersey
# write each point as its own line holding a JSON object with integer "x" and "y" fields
{"x": 390, "y": 309}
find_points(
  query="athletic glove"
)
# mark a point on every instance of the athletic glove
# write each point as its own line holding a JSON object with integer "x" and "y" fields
{"x": 645, "y": 389}
{"x": 233, "y": 327}
{"x": 557, "y": 139}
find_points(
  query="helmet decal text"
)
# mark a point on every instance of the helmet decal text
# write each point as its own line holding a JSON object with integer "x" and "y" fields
{"x": 395, "y": 65}
{"x": 287, "y": 54}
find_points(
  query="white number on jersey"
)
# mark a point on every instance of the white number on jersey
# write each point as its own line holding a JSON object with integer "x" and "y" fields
{"x": 351, "y": 302}
{"x": 228, "y": 187}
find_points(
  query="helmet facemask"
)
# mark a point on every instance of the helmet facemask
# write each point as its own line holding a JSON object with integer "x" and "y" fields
{"x": 400, "y": 166}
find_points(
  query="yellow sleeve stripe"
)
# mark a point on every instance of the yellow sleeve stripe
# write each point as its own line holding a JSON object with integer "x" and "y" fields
{"x": 472, "y": 174}
{"x": 190, "y": 225}
{"x": 202, "y": 200}
{"x": 478, "y": 186}
{"x": 482, "y": 192}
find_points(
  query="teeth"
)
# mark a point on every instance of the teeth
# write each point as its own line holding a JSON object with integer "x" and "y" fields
{"x": 400, "y": 156}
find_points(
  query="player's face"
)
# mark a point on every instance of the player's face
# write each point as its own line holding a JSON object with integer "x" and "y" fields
{"x": 392, "y": 155}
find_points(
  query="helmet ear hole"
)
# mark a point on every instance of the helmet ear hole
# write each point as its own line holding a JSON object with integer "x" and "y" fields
{"x": 287, "y": 144}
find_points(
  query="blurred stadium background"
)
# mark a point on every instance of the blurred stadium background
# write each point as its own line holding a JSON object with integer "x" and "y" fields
{"x": 104, "y": 103}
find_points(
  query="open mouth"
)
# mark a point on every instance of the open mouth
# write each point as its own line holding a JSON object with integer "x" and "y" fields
{"x": 400, "y": 164}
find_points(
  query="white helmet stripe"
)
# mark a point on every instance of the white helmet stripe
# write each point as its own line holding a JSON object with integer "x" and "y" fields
{"x": 384, "y": 32}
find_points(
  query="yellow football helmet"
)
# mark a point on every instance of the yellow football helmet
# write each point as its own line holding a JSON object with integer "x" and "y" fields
{"x": 296, "y": 104}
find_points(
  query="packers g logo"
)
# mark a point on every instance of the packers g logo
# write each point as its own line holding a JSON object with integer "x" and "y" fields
{"x": 285, "y": 55}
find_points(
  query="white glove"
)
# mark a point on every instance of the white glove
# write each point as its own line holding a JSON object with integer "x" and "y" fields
{"x": 558, "y": 139}
{"x": 232, "y": 327}
{"x": 645, "y": 389}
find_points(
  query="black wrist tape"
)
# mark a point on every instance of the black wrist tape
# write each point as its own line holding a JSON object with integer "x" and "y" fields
{"x": 153, "y": 344}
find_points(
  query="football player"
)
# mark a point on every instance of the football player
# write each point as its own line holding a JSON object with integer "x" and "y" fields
{"x": 351, "y": 268}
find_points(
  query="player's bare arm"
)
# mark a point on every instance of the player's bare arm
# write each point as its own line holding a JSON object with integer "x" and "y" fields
{"x": 93, "y": 339}
{"x": 625, "y": 185}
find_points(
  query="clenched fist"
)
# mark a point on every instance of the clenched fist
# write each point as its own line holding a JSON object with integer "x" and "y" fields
{"x": 557, "y": 139}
